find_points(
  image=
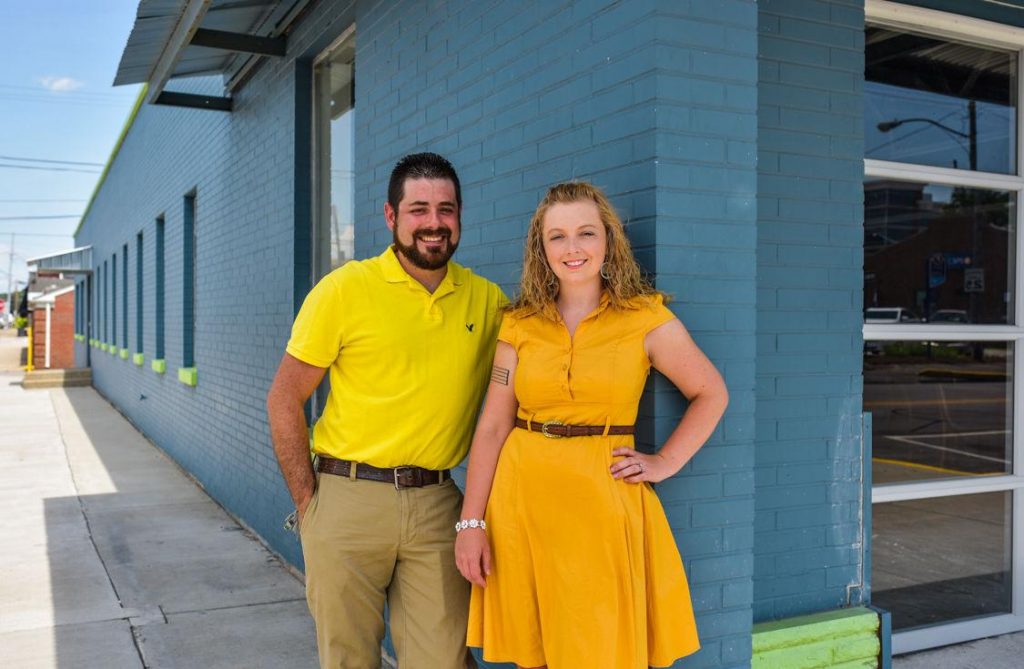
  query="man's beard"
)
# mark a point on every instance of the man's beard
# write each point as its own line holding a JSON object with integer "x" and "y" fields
{"x": 430, "y": 260}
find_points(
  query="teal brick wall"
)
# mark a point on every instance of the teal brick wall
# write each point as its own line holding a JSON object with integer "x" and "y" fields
{"x": 808, "y": 527}
{"x": 727, "y": 135}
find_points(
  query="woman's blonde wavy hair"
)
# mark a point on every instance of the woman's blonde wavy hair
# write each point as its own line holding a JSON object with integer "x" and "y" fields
{"x": 621, "y": 276}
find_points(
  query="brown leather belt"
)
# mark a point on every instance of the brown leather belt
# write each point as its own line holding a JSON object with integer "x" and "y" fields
{"x": 401, "y": 477}
{"x": 557, "y": 430}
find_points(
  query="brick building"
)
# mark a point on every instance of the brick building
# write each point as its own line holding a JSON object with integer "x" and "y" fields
{"x": 859, "y": 463}
{"x": 52, "y": 319}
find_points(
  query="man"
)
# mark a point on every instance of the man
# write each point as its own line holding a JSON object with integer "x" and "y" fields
{"x": 409, "y": 338}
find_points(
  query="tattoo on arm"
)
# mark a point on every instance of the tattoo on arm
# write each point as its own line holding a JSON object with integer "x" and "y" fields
{"x": 500, "y": 375}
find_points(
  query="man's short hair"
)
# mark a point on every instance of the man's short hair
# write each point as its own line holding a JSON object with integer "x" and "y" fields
{"x": 421, "y": 166}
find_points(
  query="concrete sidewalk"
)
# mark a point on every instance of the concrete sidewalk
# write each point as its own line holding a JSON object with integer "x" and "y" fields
{"x": 111, "y": 557}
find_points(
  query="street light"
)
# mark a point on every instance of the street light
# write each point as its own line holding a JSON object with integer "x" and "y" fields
{"x": 971, "y": 136}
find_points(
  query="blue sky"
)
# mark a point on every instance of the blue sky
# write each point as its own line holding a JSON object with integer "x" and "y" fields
{"x": 56, "y": 104}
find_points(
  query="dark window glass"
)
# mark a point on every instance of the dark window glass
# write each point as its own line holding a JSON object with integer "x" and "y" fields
{"x": 139, "y": 293}
{"x": 188, "y": 284}
{"x": 124, "y": 296}
{"x": 940, "y": 409}
{"x": 159, "y": 302}
{"x": 934, "y": 102}
{"x": 940, "y": 253}
{"x": 941, "y": 559}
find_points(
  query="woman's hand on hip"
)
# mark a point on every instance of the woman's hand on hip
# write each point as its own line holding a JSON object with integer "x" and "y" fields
{"x": 636, "y": 467}
{"x": 473, "y": 555}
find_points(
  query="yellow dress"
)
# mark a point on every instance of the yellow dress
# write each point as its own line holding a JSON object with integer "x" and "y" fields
{"x": 585, "y": 572}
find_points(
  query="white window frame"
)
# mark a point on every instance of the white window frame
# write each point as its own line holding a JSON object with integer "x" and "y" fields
{"x": 991, "y": 35}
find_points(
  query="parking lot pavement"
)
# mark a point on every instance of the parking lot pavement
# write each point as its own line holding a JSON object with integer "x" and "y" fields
{"x": 1001, "y": 652}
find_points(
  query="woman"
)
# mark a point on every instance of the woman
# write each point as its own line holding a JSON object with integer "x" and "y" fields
{"x": 585, "y": 571}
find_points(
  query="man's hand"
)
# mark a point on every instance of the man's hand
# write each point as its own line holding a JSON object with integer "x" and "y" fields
{"x": 300, "y": 507}
{"x": 473, "y": 555}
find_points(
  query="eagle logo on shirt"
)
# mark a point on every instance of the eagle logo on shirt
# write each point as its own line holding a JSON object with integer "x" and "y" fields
{"x": 469, "y": 326}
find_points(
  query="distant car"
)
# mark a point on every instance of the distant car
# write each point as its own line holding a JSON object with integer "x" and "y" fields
{"x": 949, "y": 316}
{"x": 878, "y": 315}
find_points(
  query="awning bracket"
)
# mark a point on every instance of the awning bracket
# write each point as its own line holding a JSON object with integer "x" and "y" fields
{"x": 240, "y": 42}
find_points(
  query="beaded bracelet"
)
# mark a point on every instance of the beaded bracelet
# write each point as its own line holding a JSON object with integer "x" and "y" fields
{"x": 470, "y": 522}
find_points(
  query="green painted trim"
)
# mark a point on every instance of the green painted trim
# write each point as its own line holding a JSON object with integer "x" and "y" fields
{"x": 846, "y": 638}
{"x": 103, "y": 346}
{"x": 111, "y": 349}
{"x": 113, "y": 154}
{"x": 124, "y": 353}
{"x": 159, "y": 366}
{"x": 188, "y": 375}
{"x": 138, "y": 359}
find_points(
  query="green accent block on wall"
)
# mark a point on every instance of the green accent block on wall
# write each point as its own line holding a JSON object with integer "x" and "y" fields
{"x": 112, "y": 350}
{"x": 840, "y": 639}
{"x": 124, "y": 354}
{"x": 188, "y": 375}
{"x": 138, "y": 359}
{"x": 103, "y": 346}
{"x": 159, "y": 366}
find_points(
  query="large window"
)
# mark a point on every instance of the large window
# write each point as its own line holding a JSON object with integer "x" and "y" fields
{"x": 333, "y": 139}
{"x": 942, "y": 325}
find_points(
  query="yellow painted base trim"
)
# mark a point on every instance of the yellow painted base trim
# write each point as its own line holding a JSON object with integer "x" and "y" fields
{"x": 138, "y": 359}
{"x": 159, "y": 366}
{"x": 124, "y": 354}
{"x": 188, "y": 375}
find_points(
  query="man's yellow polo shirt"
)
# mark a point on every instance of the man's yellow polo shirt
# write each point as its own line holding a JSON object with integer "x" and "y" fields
{"x": 408, "y": 368}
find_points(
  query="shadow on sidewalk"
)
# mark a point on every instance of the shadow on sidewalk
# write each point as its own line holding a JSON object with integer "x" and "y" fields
{"x": 177, "y": 581}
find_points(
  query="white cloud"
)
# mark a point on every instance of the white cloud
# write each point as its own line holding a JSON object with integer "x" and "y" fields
{"x": 60, "y": 84}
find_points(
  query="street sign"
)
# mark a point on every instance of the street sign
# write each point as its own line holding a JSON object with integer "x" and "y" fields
{"x": 974, "y": 280}
{"x": 936, "y": 270}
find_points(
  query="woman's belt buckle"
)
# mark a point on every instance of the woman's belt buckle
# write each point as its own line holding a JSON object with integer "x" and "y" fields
{"x": 550, "y": 435}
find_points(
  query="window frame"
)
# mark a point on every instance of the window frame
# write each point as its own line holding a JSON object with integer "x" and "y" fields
{"x": 985, "y": 34}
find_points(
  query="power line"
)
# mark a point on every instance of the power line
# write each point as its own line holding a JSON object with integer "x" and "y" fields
{"x": 45, "y": 160}
{"x": 38, "y": 218}
{"x": 122, "y": 93}
{"x": 49, "y": 169}
{"x": 40, "y": 200}
{"x": 35, "y": 234}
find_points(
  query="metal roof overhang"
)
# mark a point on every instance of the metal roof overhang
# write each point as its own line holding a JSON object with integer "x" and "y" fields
{"x": 187, "y": 38}
{"x": 75, "y": 261}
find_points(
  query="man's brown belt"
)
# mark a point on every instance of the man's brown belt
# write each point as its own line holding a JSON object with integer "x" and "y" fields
{"x": 401, "y": 477}
{"x": 557, "y": 430}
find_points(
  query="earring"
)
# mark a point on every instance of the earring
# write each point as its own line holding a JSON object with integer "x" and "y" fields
{"x": 605, "y": 274}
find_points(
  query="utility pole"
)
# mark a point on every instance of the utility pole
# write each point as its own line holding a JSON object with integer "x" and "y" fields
{"x": 10, "y": 280}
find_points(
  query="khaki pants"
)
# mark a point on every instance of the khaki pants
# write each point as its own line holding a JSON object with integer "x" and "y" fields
{"x": 365, "y": 543}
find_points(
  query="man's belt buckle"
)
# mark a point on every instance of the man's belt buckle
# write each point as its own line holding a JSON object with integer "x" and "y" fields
{"x": 546, "y": 425}
{"x": 409, "y": 473}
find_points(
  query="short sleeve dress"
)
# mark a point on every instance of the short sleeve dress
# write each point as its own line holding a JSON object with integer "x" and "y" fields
{"x": 586, "y": 572}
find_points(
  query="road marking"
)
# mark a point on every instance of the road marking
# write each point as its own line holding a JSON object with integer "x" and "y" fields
{"x": 917, "y": 442}
{"x": 911, "y": 403}
{"x": 931, "y": 468}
